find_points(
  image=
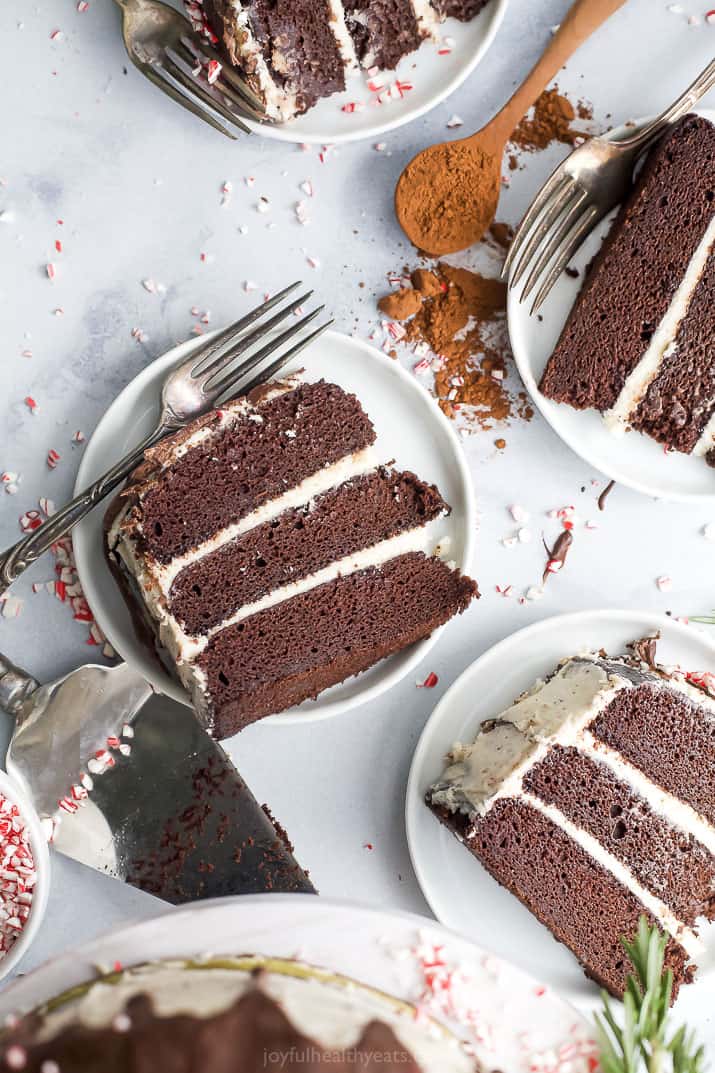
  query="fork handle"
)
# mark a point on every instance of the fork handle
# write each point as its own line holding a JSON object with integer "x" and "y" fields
{"x": 23, "y": 554}
{"x": 680, "y": 107}
{"x": 583, "y": 19}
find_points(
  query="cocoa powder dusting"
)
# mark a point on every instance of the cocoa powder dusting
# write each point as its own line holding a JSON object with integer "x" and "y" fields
{"x": 461, "y": 319}
{"x": 550, "y": 121}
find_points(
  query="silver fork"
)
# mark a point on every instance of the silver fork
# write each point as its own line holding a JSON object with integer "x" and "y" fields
{"x": 580, "y": 192}
{"x": 190, "y": 389}
{"x": 165, "y": 48}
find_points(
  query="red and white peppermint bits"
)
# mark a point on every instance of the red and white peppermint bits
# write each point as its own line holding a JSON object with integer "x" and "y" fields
{"x": 18, "y": 874}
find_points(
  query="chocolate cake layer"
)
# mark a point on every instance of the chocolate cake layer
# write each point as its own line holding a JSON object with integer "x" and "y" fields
{"x": 358, "y": 514}
{"x": 668, "y": 737}
{"x": 252, "y": 1034}
{"x": 634, "y": 278}
{"x": 295, "y": 649}
{"x": 552, "y": 875}
{"x": 666, "y": 860}
{"x": 218, "y": 482}
{"x": 383, "y": 31}
{"x": 295, "y": 39}
{"x": 680, "y": 401}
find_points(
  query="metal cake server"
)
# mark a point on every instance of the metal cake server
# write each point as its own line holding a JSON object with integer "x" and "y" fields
{"x": 134, "y": 787}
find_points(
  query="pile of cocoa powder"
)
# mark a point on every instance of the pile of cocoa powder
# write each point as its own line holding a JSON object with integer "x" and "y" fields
{"x": 550, "y": 121}
{"x": 457, "y": 316}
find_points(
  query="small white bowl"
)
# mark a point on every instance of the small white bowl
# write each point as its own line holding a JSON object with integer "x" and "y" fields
{"x": 41, "y": 890}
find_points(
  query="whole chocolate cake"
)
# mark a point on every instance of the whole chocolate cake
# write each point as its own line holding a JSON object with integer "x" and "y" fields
{"x": 638, "y": 343}
{"x": 270, "y": 557}
{"x": 222, "y": 1016}
{"x": 592, "y": 799}
{"x": 295, "y": 52}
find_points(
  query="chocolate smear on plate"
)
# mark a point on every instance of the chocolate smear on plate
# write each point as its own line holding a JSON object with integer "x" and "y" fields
{"x": 557, "y": 554}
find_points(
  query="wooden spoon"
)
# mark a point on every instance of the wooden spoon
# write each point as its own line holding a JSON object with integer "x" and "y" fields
{"x": 447, "y": 196}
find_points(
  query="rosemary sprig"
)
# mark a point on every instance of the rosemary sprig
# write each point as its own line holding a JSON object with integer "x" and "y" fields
{"x": 643, "y": 1036}
{"x": 709, "y": 620}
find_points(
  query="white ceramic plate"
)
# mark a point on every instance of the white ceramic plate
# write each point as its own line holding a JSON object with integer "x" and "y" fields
{"x": 431, "y": 75}
{"x": 518, "y": 1020}
{"x": 634, "y": 460}
{"x": 460, "y": 892}
{"x": 410, "y": 428}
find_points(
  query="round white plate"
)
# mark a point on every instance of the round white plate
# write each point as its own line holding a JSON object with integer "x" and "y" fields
{"x": 411, "y": 429}
{"x": 431, "y": 76}
{"x": 519, "y": 1020}
{"x": 634, "y": 460}
{"x": 460, "y": 892}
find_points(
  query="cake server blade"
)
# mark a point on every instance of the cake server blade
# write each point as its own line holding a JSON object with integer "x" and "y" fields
{"x": 130, "y": 784}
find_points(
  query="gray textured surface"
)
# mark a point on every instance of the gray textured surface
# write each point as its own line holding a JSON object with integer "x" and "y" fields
{"x": 137, "y": 183}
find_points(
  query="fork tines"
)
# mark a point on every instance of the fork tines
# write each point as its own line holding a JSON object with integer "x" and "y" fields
{"x": 206, "y": 84}
{"x": 222, "y": 367}
{"x": 547, "y": 238}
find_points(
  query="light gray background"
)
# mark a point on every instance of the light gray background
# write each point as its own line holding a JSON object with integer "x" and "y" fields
{"x": 137, "y": 183}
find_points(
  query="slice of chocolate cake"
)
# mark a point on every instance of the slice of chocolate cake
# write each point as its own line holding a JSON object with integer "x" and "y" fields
{"x": 296, "y": 52}
{"x": 383, "y": 31}
{"x": 270, "y": 558}
{"x": 638, "y": 343}
{"x": 293, "y": 52}
{"x": 591, "y": 799}
{"x": 229, "y": 1015}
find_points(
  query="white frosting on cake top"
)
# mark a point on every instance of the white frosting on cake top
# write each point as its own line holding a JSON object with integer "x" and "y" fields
{"x": 333, "y": 1012}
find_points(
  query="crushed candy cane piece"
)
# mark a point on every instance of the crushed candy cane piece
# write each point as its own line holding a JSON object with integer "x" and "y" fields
{"x": 11, "y": 608}
{"x": 430, "y": 681}
{"x": 213, "y": 71}
{"x": 30, "y": 521}
{"x": 52, "y": 458}
{"x": 51, "y": 270}
{"x": 664, "y": 583}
